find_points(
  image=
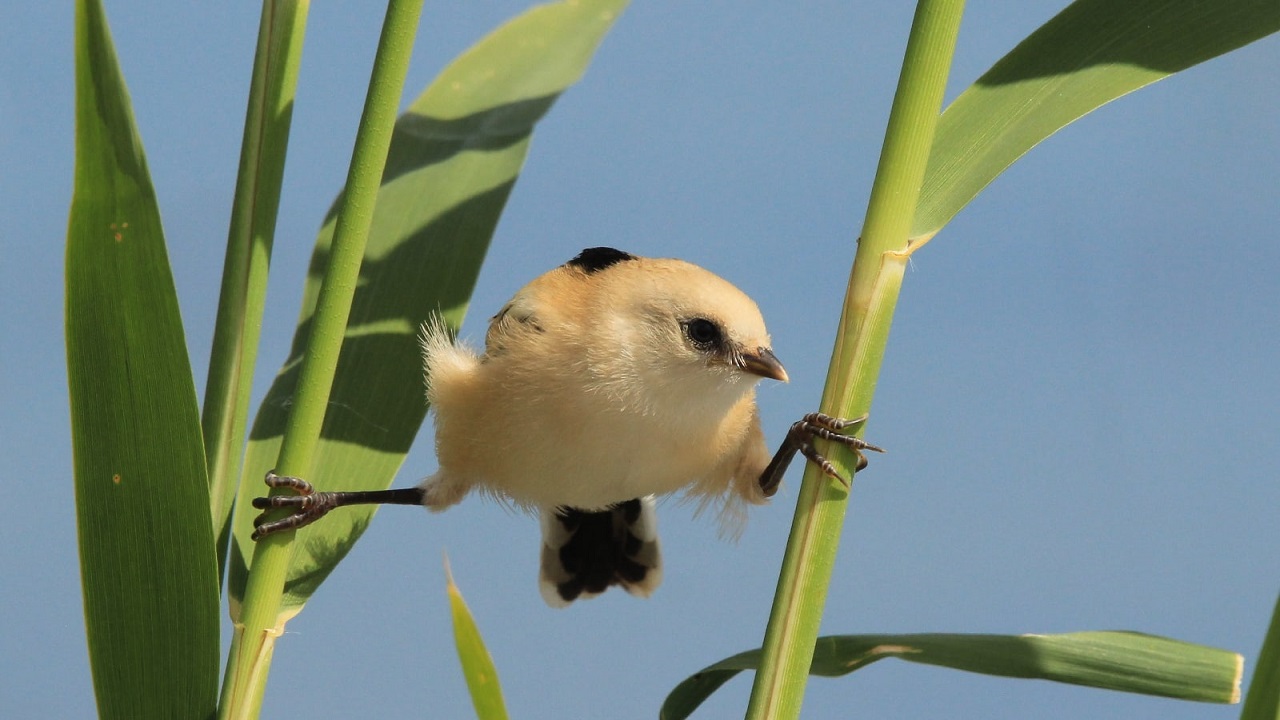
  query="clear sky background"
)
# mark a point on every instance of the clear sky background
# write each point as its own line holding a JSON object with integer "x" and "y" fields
{"x": 1079, "y": 395}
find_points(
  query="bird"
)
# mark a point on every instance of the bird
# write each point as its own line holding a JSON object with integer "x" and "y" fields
{"x": 606, "y": 383}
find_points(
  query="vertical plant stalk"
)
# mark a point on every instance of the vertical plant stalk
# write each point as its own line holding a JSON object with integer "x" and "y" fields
{"x": 872, "y": 294}
{"x": 249, "y": 240}
{"x": 253, "y": 640}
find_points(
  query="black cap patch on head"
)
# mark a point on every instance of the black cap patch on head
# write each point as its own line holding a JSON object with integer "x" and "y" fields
{"x": 598, "y": 258}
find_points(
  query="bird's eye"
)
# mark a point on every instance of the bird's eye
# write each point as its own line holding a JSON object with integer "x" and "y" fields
{"x": 702, "y": 333}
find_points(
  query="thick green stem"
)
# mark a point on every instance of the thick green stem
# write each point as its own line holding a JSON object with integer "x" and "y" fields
{"x": 254, "y": 640}
{"x": 872, "y": 294}
{"x": 244, "y": 271}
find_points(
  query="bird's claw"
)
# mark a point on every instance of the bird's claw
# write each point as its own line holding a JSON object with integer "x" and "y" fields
{"x": 800, "y": 438}
{"x": 308, "y": 505}
{"x": 818, "y": 425}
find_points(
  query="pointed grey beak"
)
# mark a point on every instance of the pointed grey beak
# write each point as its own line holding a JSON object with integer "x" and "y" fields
{"x": 765, "y": 364}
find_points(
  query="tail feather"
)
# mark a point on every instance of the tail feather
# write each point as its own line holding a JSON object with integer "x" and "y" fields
{"x": 585, "y": 552}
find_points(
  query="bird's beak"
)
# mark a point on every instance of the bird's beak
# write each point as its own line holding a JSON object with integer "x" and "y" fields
{"x": 765, "y": 364}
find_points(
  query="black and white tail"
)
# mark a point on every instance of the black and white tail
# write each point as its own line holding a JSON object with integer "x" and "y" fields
{"x": 584, "y": 552}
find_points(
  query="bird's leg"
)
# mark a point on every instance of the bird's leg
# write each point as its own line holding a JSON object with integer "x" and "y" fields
{"x": 309, "y": 505}
{"x": 800, "y": 438}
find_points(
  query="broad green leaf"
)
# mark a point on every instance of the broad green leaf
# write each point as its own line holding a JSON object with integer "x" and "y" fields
{"x": 147, "y": 559}
{"x": 1124, "y": 661}
{"x": 477, "y": 664}
{"x": 454, "y": 159}
{"x": 1263, "y": 700}
{"x": 1093, "y": 52}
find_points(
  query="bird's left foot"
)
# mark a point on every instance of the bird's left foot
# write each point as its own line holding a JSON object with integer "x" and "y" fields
{"x": 308, "y": 505}
{"x": 817, "y": 425}
{"x": 800, "y": 438}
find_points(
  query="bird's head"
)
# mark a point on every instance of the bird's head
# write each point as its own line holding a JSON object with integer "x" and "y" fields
{"x": 686, "y": 332}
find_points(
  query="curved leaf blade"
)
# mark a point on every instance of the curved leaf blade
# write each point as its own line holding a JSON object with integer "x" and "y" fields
{"x": 1091, "y": 53}
{"x": 241, "y": 301}
{"x": 147, "y": 558}
{"x": 454, "y": 160}
{"x": 477, "y": 665}
{"x": 1263, "y": 700}
{"x": 1111, "y": 660}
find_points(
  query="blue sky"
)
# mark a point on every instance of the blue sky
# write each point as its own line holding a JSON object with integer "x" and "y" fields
{"x": 1078, "y": 396}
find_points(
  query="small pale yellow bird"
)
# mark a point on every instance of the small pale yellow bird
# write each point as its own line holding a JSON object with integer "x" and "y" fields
{"x": 605, "y": 382}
